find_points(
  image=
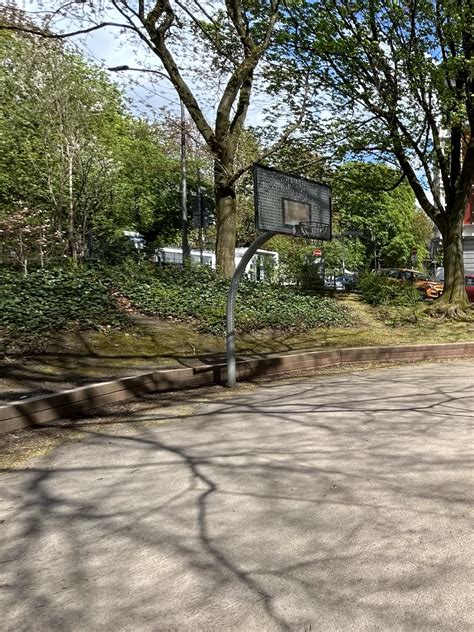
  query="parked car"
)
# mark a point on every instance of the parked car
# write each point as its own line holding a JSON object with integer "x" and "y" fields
{"x": 468, "y": 280}
{"x": 341, "y": 282}
{"x": 428, "y": 288}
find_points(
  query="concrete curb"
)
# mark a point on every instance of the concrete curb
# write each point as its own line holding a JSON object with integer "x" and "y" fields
{"x": 42, "y": 410}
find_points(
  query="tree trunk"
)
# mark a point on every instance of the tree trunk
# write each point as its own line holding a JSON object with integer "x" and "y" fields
{"x": 71, "y": 214}
{"x": 226, "y": 211}
{"x": 454, "y": 299}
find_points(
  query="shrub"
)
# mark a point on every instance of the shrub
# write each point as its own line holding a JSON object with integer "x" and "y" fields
{"x": 56, "y": 298}
{"x": 377, "y": 289}
{"x": 51, "y": 299}
{"x": 200, "y": 294}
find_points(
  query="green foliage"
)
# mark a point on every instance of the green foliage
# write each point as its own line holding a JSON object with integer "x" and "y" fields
{"x": 48, "y": 300}
{"x": 146, "y": 189}
{"x": 76, "y": 169}
{"x": 200, "y": 294}
{"x": 293, "y": 262}
{"x": 51, "y": 299}
{"x": 58, "y": 120}
{"x": 377, "y": 289}
{"x": 395, "y": 83}
{"x": 361, "y": 203}
{"x": 342, "y": 253}
{"x": 297, "y": 263}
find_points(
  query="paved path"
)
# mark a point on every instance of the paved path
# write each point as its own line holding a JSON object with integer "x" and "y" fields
{"x": 323, "y": 504}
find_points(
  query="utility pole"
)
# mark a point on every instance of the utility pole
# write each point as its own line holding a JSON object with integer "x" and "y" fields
{"x": 184, "y": 192}
{"x": 201, "y": 215}
{"x": 374, "y": 243}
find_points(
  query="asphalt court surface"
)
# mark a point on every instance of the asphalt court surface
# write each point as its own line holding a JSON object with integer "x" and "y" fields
{"x": 326, "y": 504}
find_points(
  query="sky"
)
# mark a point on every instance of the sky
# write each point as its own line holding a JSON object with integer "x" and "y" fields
{"x": 148, "y": 93}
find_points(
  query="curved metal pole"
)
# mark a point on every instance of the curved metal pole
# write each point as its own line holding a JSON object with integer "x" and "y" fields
{"x": 230, "y": 316}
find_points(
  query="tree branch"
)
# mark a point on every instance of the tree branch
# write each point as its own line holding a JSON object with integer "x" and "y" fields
{"x": 411, "y": 176}
{"x": 238, "y": 121}
{"x": 271, "y": 150}
{"x": 49, "y": 35}
{"x": 236, "y": 14}
{"x": 157, "y": 32}
{"x": 218, "y": 48}
{"x": 414, "y": 145}
{"x": 274, "y": 8}
{"x": 132, "y": 24}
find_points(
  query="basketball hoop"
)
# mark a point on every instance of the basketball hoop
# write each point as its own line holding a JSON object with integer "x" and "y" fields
{"x": 291, "y": 205}
{"x": 286, "y": 205}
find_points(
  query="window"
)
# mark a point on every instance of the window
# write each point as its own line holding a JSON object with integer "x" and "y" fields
{"x": 173, "y": 257}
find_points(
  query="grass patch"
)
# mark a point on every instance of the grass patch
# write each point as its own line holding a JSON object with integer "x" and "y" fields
{"x": 271, "y": 320}
{"x": 71, "y": 358}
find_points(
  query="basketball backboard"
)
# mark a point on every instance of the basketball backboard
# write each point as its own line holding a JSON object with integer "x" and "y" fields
{"x": 291, "y": 205}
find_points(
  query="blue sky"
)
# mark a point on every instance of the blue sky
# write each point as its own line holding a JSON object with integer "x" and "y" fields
{"x": 109, "y": 47}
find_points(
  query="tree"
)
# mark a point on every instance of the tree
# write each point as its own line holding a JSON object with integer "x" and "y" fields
{"x": 146, "y": 187}
{"x": 77, "y": 169}
{"x": 364, "y": 200}
{"x": 399, "y": 82}
{"x": 300, "y": 156}
{"x": 27, "y": 234}
{"x": 166, "y": 131}
{"x": 58, "y": 121}
{"x": 235, "y": 37}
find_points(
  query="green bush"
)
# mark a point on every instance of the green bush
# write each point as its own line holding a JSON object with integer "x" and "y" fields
{"x": 377, "y": 289}
{"x": 200, "y": 294}
{"x": 51, "y": 299}
{"x": 48, "y": 300}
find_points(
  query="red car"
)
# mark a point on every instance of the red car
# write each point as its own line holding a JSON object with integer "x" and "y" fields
{"x": 469, "y": 280}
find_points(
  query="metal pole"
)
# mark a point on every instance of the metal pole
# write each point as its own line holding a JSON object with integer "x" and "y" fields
{"x": 201, "y": 215}
{"x": 230, "y": 316}
{"x": 375, "y": 250}
{"x": 184, "y": 196}
{"x": 374, "y": 247}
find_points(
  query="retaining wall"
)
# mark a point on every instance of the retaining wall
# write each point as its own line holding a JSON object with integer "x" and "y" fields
{"x": 44, "y": 409}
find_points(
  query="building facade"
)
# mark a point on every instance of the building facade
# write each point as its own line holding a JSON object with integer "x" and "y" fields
{"x": 468, "y": 235}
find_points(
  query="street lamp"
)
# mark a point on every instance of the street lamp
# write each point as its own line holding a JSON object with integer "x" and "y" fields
{"x": 373, "y": 238}
{"x": 184, "y": 195}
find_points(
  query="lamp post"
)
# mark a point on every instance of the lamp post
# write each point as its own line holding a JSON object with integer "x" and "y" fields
{"x": 184, "y": 191}
{"x": 183, "y": 162}
{"x": 374, "y": 242}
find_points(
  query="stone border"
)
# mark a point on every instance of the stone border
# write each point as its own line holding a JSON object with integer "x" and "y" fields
{"x": 44, "y": 409}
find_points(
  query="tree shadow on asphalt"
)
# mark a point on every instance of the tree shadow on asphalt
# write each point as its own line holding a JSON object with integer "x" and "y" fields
{"x": 288, "y": 505}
